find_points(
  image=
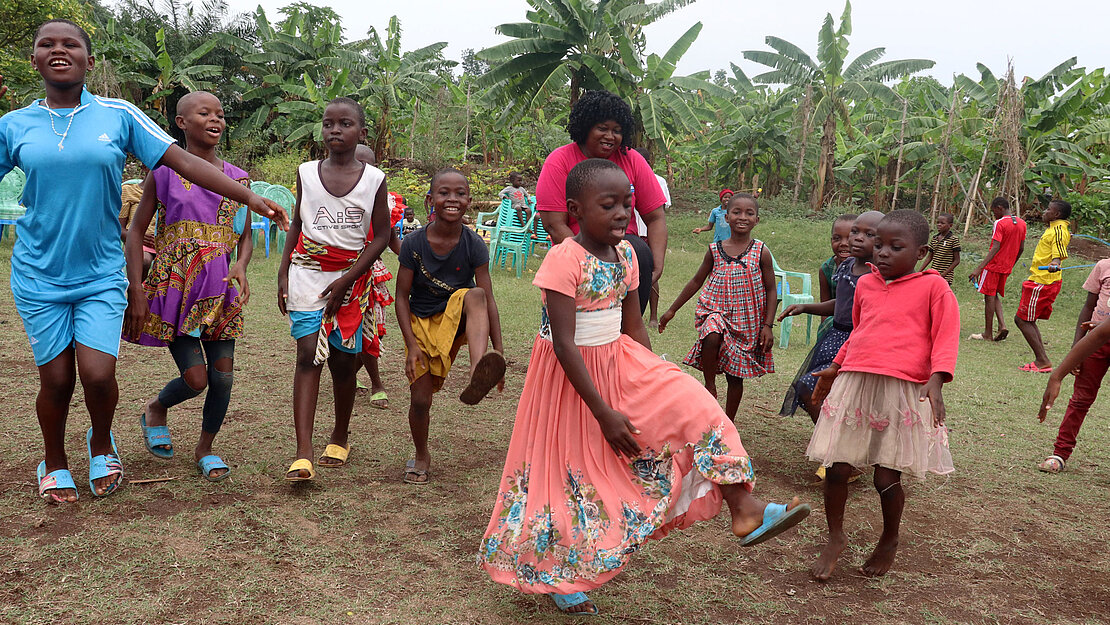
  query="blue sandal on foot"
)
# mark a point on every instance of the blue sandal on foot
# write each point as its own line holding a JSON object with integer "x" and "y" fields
{"x": 210, "y": 463}
{"x": 156, "y": 435}
{"x": 776, "y": 520}
{"x": 104, "y": 465}
{"x": 55, "y": 480}
{"x": 566, "y": 602}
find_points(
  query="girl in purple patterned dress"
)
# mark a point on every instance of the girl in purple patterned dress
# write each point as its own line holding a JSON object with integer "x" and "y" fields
{"x": 187, "y": 301}
{"x": 736, "y": 310}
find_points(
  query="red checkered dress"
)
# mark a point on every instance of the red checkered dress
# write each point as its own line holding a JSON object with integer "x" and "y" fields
{"x": 732, "y": 304}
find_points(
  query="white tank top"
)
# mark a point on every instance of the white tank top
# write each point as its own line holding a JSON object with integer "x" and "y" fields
{"x": 342, "y": 222}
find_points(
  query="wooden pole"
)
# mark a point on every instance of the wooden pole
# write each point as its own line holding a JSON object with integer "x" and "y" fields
{"x": 901, "y": 149}
{"x": 805, "y": 141}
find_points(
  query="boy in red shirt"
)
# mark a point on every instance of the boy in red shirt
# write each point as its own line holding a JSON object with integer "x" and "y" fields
{"x": 989, "y": 278}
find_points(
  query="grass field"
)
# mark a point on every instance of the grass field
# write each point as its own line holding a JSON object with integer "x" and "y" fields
{"x": 997, "y": 542}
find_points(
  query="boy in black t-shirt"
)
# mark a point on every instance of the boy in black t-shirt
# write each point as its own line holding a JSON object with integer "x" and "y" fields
{"x": 445, "y": 300}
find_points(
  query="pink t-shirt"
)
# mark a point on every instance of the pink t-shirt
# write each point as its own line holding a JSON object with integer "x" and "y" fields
{"x": 1099, "y": 284}
{"x": 551, "y": 188}
{"x": 908, "y": 329}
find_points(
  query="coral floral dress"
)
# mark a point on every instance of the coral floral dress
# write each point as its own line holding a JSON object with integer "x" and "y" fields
{"x": 571, "y": 512}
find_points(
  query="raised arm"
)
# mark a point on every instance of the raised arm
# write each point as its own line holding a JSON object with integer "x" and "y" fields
{"x": 200, "y": 171}
{"x": 688, "y": 291}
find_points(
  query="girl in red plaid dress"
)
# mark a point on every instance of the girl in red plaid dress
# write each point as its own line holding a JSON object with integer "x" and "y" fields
{"x": 736, "y": 309}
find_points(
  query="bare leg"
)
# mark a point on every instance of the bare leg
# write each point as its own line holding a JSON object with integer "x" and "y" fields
{"x": 97, "y": 371}
{"x": 1032, "y": 336}
{"x": 836, "y": 494}
{"x": 989, "y": 303}
{"x": 306, "y": 390}
{"x": 998, "y": 315}
{"x": 811, "y": 407}
{"x": 371, "y": 364}
{"x": 476, "y": 318}
{"x": 710, "y": 356}
{"x": 888, "y": 483}
{"x": 653, "y": 306}
{"x": 420, "y": 406}
{"x": 734, "y": 394}
{"x": 343, "y": 367}
{"x": 57, "y": 379}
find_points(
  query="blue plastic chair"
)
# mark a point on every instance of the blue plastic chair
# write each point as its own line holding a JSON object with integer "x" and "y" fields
{"x": 496, "y": 215}
{"x": 284, "y": 198}
{"x": 11, "y": 192}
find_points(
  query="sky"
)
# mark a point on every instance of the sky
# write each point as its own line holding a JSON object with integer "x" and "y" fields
{"x": 956, "y": 34}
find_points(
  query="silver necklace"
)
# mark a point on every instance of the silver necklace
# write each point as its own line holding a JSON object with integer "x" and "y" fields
{"x": 56, "y": 133}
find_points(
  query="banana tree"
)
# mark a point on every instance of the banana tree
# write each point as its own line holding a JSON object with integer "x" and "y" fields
{"x": 835, "y": 84}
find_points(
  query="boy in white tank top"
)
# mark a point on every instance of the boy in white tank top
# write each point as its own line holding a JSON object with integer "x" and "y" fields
{"x": 323, "y": 272}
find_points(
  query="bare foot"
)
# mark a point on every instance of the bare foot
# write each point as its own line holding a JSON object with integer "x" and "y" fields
{"x": 104, "y": 485}
{"x": 712, "y": 388}
{"x": 881, "y": 559}
{"x": 156, "y": 416}
{"x": 823, "y": 569}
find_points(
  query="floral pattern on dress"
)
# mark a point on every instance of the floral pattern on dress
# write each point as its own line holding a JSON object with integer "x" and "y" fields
{"x": 602, "y": 282}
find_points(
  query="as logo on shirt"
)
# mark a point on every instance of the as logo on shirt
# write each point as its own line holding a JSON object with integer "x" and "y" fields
{"x": 104, "y": 138}
{"x": 348, "y": 217}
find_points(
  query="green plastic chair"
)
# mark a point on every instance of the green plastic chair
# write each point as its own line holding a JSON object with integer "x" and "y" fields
{"x": 491, "y": 231}
{"x": 11, "y": 191}
{"x": 285, "y": 199}
{"x": 803, "y": 296}
{"x": 514, "y": 240}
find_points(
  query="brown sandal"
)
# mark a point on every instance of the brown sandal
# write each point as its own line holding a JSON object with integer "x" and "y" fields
{"x": 490, "y": 371}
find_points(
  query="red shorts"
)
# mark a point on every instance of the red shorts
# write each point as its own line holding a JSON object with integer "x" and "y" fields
{"x": 993, "y": 283}
{"x": 1037, "y": 299}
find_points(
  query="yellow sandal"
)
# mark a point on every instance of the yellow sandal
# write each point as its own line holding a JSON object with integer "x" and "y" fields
{"x": 300, "y": 464}
{"x": 334, "y": 452}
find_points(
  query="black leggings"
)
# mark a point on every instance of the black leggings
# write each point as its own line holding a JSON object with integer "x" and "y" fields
{"x": 186, "y": 352}
{"x": 646, "y": 262}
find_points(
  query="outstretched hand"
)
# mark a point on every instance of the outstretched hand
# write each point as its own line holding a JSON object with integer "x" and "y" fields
{"x": 664, "y": 319}
{"x": 619, "y": 432}
{"x": 825, "y": 379}
{"x": 790, "y": 311}
{"x": 238, "y": 274}
{"x": 269, "y": 209}
{"x": 931, "y": 391}
{"x": 1051, "y": 392}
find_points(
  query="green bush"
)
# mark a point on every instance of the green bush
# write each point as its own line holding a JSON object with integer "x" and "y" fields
{"x": 279, "y": 168}
{"x": 1091, "y": 213}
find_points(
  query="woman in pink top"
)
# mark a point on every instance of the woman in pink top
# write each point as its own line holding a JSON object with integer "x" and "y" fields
{"x": 598, "y": 125}
{"x": 885, "y": 408}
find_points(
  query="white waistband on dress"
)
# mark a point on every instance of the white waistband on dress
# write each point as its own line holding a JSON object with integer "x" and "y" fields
{"x": 597, "y": 327}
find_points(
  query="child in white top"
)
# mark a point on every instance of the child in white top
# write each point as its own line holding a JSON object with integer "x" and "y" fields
{"x": 340, "y": 202}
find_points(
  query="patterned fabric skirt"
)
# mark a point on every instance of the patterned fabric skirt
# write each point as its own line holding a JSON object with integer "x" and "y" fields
{"x": 571, "y": 512}
{"x": 738, "y": 357}
{"x": 376, "y": 299}
{"x": 829, "y": 341}
{"x": 188, "y": 295}
{"x": 870, "y": 419}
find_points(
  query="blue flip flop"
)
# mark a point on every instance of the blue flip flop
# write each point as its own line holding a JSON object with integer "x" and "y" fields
{"x": 776, "y": 520}
{"x": 209, "y": 463}
{"x": 155, "y": 435}
{"x": 565, "y": 602}
{"x": 104, "y": 465}
{"x": 55, "y": 480}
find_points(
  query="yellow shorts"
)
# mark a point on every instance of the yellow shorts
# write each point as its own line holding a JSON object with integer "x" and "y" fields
{"x": 439, "y": 339}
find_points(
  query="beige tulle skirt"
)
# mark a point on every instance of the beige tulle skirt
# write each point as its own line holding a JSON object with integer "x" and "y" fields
{"x": 870, "y": 419}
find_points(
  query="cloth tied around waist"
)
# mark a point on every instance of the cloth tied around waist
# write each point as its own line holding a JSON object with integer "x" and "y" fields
{"x": 348, "y": 319}
{"x": 593, "y": 328}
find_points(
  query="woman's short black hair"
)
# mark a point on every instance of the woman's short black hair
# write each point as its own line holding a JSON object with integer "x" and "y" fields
{"x": 58, "y": 20}
{"x": 595, "y": 107}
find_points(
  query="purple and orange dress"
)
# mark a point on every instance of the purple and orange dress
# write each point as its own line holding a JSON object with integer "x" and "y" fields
{"x": 185, "y": 286}
{"x": 571, "y": 512}
{"x": 732, "y": 304}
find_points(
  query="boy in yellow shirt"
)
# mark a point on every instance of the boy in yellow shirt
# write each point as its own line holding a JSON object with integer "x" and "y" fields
{"x": 1039, "y": 291}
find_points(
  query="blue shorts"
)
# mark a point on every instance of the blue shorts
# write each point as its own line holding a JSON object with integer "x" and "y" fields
{"x": 305, "y": 322}
{"x": 55, "y": 317}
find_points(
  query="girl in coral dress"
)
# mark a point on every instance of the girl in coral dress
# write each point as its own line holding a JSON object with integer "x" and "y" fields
{"x": 600, "y": 460}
